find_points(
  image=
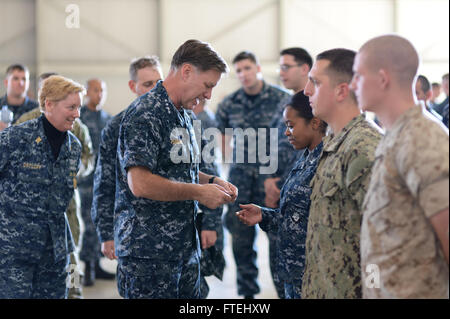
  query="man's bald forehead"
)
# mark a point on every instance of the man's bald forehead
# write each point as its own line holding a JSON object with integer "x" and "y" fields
{"x": 94, "y": 80}
{"x": 393, "y": 53}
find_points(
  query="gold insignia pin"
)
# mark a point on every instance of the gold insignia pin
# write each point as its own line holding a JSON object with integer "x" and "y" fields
{"x": 176, "y": 142}
{"x": 74, "y": 182}
{"x": 38, "y": 140}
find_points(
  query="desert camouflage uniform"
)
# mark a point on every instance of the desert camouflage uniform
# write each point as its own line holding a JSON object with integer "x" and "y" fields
{"x": 409, "y": 185}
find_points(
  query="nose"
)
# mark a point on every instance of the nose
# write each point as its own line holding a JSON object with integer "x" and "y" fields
{"x": 76, "y": 113}
{"x": 287, "y": 132}
{"x": 308, "y": 89}
{"x": 207, "y": 94}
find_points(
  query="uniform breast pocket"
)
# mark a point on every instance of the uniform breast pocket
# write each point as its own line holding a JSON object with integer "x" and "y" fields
{"x": 331, "y": 214}
{"x": 300, "y": 203}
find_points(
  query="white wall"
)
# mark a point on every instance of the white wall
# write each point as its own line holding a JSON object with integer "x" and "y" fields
{"x": 112, "y": 32}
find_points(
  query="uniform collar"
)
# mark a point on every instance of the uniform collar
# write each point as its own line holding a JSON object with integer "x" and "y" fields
{"x": 40, "y": 138}
{"x": 242, "y": 96}
{"x": 332, "y": 142}
{"x": 406, "y": 117}
{"x": 161, "y": 94}
{"x": 4, "y": 101}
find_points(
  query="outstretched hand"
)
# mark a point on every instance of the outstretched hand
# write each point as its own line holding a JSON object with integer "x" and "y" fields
{"x": 250, "y": 214}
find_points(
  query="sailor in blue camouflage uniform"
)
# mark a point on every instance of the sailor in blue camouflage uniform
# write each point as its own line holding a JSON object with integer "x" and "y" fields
{"x": 159, "y": 184}
{"x": 17, "y": 82}
{"x": 295, "y": 64}
{"x": 39, "y": 161}
{"x": 251, "y": 107}
{"x": 290, "y": 221}
{"x": 144, "y": 73}
{"x": 95, "y": 119}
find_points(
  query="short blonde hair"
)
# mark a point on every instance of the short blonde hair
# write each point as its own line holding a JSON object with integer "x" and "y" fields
{"x": 56, "y": 88}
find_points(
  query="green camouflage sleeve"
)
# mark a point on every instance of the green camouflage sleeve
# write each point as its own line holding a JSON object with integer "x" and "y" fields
{"x": 33, "y": 114}
{"x": 81, "y": 131}
{"x": 357, "y": 177}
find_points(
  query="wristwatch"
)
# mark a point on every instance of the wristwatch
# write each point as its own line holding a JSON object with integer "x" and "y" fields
{"x": 211, "y": 180}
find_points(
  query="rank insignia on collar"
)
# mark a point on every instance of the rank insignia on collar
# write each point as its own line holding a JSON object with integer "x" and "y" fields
{"x": 38, "y": 140}
{"x": 174, "y": 141}
{"x": 74, "y": 182}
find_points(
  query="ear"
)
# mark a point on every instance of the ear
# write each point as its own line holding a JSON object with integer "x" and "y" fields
{"x": 428, "y": 95}
{"x": 304, "y": 69}
{"x": 342, "y": 91}
{"x": 132, "y": 86}
{"x": 5, "y": 83}
{"x": 186, "y": 71}
{"x": 315, "y": 123}
{"x": 48, "y": 106}
{"x": 258, "y": 67}
{"x": 384, "y": 79}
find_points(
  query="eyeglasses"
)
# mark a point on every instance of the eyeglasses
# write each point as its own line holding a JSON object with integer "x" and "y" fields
{"x": 286, "y": 67}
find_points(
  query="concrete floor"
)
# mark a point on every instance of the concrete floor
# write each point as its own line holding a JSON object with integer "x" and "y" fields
{"x": 225, "y": 289}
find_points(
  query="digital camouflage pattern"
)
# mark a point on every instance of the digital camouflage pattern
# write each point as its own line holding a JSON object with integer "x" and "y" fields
{"x": 34, "y": 232}
{"x": 409, "y": 185}
{"x": 290, "y": 221}
{"x": 148, "y": 231}
{"x": 87, "y": 166}
{"x": 102, "y": 211}
{"x": 18, "y": 110}
{"x": 333, "y": 268}
{"x": 90, "y": 247}
{"x": 212, "y": 261}
{"x": 238, "y": 111}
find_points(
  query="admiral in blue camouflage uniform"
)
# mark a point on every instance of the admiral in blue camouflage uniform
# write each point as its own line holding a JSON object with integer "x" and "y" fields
{"x": 240, "y": 110}
{"x": 155, "y": 234}
{"x": 36, "y": 185}
{"x": 161, "y": 232}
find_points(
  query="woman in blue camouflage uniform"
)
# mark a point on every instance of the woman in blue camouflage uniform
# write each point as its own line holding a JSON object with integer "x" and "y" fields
{"x": 290, "y": 220}
{"x": 39, "y": 160}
